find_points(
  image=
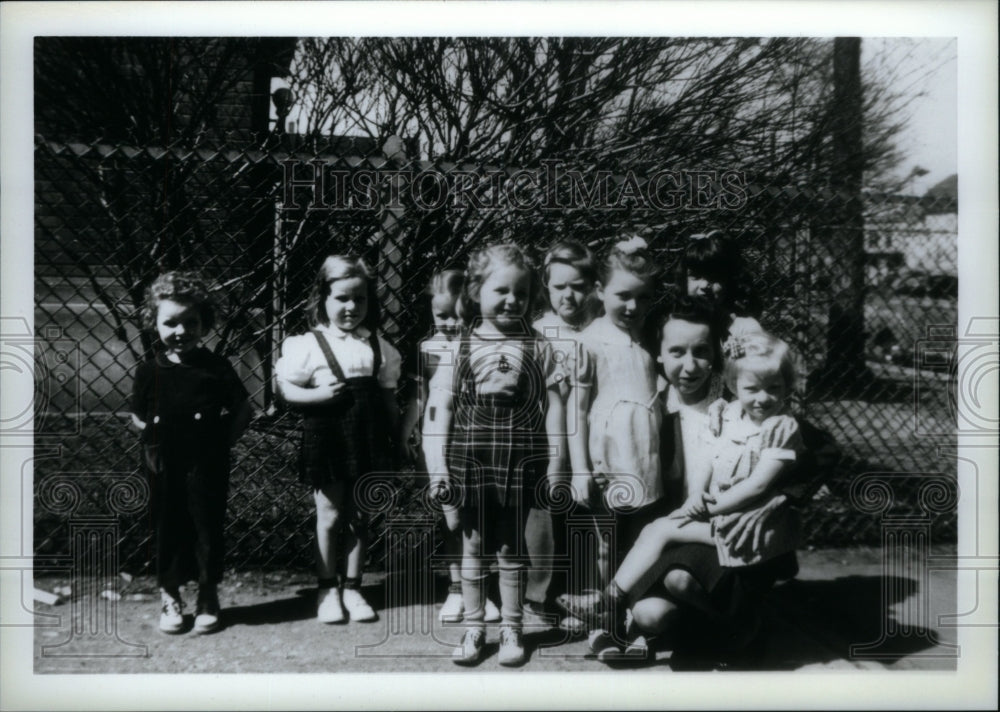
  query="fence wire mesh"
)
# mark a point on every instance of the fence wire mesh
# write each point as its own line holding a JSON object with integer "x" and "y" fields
{"x": 853, "y": 280}
{"x": 109, "y": 218}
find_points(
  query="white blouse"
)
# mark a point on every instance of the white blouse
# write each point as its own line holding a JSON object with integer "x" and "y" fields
{"x": 302, "y": 359}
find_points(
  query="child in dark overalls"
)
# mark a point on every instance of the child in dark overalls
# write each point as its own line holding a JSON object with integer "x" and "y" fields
{"x": 191, "y": 407}
{"x": 342, "y": 377}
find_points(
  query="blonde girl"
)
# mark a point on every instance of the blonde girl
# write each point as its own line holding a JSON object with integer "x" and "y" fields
{"x": 569, "y": 275}
{"x": 485, "y": 437}
{"x": 342, "y": 377}
{"x": 760, "y": 442}
{"x": 444, "y": 291}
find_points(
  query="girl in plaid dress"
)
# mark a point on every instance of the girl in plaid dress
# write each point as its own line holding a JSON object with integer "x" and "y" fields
{"x": 492, "y": 429}
{"x": 342, "y": 376}
{"x": 443, "y": 291}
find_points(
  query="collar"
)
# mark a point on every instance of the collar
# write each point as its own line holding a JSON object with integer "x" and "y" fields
{"x": 335, "y": 332}
{"x": 607, "y": 333}
{"x": 673, "y": 400}
{"x": 550, "y": 319}
{"x": 197, "y": 355}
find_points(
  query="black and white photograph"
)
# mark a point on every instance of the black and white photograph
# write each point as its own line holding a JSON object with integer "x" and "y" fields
{"x": 374, "y": 352}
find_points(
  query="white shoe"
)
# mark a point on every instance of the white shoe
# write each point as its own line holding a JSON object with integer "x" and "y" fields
{"x": 357, "y": 607}
{"x": 491, "y": 614}
{"x": 511, "y": 647}
{"x": 329, "y": 609}
{"x": 470, "y": 650}
{"x": 453, "y": 608}
{"x": 207, "y": 616}
{"x": 171, "y": 613}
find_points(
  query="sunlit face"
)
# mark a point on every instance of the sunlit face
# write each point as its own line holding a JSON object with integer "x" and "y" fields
{"x": 762, "y": 394}
{"x": 178, "y": 325}
{"x": 347, "y": 304}
{"x": 701, "y": 286}
{"x": 627, "y": 298}
{"x": 443, "y": 311}
{"x": 568, "y": 290}
{"x": 504, "y": 296}
{"x": 686, "y": 352}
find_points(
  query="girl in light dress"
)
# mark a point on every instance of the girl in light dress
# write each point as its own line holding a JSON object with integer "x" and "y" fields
{"x": 614, "y": 448}
{"x": 342, "y": 377}
{"x": 569, "y": 273}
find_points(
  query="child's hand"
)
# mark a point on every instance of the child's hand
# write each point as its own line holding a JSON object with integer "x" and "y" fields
{"x": 750, "y": 524}
{"x": 328, "y": 388}
{"x": 696, "y": 508}
{"x": 715, "y": 416}
{"x": 440, "y": 490}
{"x": 411, "y": 448}
{"x": 581, "y": 487}
{"x": 137, "y": 423}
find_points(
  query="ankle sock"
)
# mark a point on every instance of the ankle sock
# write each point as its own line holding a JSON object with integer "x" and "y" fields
{"x": 352, "y": 583}
{"x": 326, "y": 582}
{"x": 455, "y": 587}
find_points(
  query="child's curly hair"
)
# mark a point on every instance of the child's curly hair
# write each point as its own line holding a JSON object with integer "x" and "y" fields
{"x": 760, "y": 352}
{"x": 481, "y": 263}
{"x": 181, "y": 287}
{"x": 336, "y": 267}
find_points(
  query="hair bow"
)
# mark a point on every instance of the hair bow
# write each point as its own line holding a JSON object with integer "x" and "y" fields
{"x": 631, "y": 246}
{"x": 733, "y": 349}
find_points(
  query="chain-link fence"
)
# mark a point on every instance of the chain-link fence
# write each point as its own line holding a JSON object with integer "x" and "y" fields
{"x": 855, "y": 300}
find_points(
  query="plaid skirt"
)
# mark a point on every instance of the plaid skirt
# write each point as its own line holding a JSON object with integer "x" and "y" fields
{"x": 348, "y": 437}
{"x": 498, "y": 450}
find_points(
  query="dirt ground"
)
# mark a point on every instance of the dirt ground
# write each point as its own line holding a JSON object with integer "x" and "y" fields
{"x": 841, "y": 598}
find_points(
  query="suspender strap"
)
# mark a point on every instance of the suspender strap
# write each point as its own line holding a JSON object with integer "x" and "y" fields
{"x": 376, "y": 353}
{"x": 331, "y": 360}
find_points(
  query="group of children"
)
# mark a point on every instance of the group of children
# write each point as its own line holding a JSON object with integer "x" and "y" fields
{"x": 509, "y": 414}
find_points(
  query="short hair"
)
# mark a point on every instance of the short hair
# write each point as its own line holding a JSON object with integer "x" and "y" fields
{"x": 632, "y": 256}
{"x": 446, "y": 281}
{"x": 697, "y": 310}
{"x": 572, "y": 253}
{"x": 481, "y": 263}
{"x": 760, "y": 352}
{"x": 716, "y": 256}
{"x": 336, "y": 267}
{"x": 184, "y": 288}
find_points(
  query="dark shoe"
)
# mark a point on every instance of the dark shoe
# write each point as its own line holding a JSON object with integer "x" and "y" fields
{"x": 598, "y": 612}
{"x": 171, "y": 613}
{"x": 588, "y": 607}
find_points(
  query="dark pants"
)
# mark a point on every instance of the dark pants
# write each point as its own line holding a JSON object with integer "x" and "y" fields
{"x": 188, "y": 511}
